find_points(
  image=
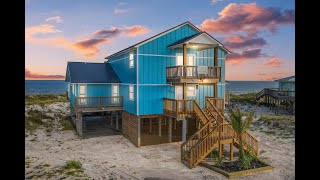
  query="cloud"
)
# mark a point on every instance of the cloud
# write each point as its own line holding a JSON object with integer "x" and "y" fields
{"x": 241, "y": 42}
{"x": 273, "y": 75}
{"x": 236, "y": 58}
{"x": 120, "y": 11}
{"x": 274, "y": 62}
{"x": 215, "y": 1}
{"x": 41, "y": 29}
{"x": 32, "y": 75}
{"x": 122, "y": 3}
{"x": 249, "y": 18}
{"x": 85, "y": 47}
{"x": 57, "y": 19}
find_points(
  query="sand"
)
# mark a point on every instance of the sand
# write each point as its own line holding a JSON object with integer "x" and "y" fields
{"x": 114, "y": 157}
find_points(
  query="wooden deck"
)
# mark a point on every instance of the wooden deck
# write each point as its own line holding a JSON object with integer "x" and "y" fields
{"x": 193, "y": 74}
{"x": 99, "y": 104}
{"x": 275, "y": 99}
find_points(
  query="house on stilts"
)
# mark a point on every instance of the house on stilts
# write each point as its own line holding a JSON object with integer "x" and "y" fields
{"x": 167, "y": 88}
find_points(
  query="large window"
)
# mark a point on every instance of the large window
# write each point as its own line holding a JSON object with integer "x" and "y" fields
{"x": 131, "y": 60}
{"x": 191, "y": 90}
{"x": 131, "y": 92}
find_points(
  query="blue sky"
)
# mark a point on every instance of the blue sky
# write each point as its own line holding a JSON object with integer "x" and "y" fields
{"x": 50, "y": 42}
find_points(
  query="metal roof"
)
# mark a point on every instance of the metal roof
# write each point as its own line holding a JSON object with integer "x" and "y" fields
{"x": 133, "y": 46}
{"x": 287, "y": 79}
{"x": 86, "y": 72}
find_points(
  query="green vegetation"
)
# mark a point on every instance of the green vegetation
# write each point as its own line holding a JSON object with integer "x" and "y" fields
{"x": 45, "y": 99}
{"x": 64, "y": 122}
{"x": 34, "y": 119}
{"x": 72, "y": 168}
{"x": 274, "y": 118}
{"x": 248, "y": 98}
{"x": 240, "y": 125}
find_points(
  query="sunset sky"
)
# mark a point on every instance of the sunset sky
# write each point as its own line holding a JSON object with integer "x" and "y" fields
{"x": 260, "y": 33}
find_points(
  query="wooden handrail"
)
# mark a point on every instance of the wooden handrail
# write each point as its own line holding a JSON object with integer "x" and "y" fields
{"x": 210, "y": 106}
{"x": 186, "y": 71}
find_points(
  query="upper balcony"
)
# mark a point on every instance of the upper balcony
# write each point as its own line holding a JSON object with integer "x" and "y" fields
{"x": 193, "y": 74}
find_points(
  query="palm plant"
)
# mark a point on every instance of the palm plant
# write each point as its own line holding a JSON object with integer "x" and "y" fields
{"x": 240, "y": 123}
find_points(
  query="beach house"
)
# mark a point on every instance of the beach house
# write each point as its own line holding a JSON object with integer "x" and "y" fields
{"x": 169, "y": 87}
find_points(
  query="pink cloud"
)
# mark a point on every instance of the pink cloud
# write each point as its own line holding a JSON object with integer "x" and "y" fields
{"x": 274, "y": 62}
{"x": 86, "y": 47}
{"x": 273, "y": 75}
{"x": 236, "y": 58}
{"x": 241, "y": 42}
{"x": 249, "y": 18}
{"x": 32, "y": 75}
{"x": 41, "y": 29}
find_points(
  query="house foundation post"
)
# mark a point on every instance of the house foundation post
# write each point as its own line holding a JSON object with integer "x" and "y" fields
{"x": 139, "y": 131}
{"x": 170, "y": 130}
{"x": 159, "y": 120}
{"x": 184, "y": 130}
{"x": 117, "y": 120}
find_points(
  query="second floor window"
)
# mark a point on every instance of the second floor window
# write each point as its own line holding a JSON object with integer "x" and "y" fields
{"x": 131, "y": 92}
{"x": 191, "y": 91}
{"x": 131, "y": 60}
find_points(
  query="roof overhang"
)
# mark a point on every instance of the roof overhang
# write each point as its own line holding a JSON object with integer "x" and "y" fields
{"x": 201, "y": 41}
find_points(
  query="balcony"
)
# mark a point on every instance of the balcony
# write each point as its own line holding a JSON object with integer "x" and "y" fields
{"x": 100, "y": 103}
{"x": 193, "y": 74}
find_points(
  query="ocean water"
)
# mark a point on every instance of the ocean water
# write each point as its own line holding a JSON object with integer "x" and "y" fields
{"x": 60, "y": 87}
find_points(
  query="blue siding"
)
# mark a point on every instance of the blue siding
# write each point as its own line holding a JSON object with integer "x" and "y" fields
{"x": 128, "y": 105}
{"x": 98, "y": 90}
{"x": 201, "y": 93}
{"x": 151, "y": 98}
{"x": 120, "y": 64}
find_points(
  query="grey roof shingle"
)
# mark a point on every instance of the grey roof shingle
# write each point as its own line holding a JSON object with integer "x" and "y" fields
{"x": 86, "y": 72}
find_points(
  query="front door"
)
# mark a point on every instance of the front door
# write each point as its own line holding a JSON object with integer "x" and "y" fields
{"x": 179, "y": 96}
{"x": 190, "y": 62}
{"x": 115, "y": 93}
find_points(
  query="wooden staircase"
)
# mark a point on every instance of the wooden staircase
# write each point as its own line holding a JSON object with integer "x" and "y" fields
{"x": 215, "y": 131}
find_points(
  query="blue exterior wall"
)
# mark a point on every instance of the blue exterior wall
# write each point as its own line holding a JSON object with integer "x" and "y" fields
{"x": 287, "y": 86}
{"x": 128, "y": 105}
{"x": 201, "y": 92}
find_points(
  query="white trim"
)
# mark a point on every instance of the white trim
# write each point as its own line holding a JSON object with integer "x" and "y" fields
{"x": 129, "y": 84}
{"x": 199, "y": 57}
{"x": 157, "y": 55}
{"x": 95, "y": 83}
{"x": 191, "y": 25}
{"x": 137, "y": 81}
{"x": 118, "y": 59}
{"x": 112, "y": 92}
{"x": 154, "y": 85}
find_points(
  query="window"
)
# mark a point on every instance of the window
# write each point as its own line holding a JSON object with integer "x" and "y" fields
{"x": 179, "y": 59}
{"x": 191, "y": 91}
{"x": 82, "y": 93}
{"x": 131, "y": 92}
{"x": 131, "y": 60}
{"x": 115, "y": 93}
{"x": 73, "y": 89}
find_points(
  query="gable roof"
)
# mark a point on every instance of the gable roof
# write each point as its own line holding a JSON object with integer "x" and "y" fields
{"x": 287, "y": 79}
{"x": 189, "y": 38}
{"x": 153, "y": 37}
{"x": 85, "y": 72}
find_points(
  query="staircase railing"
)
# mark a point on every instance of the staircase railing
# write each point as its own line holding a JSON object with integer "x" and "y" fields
{"x": 200, "y": 113}
{"x": 217, "y": 102}
{"x": 214, "y": 111}
{"x": 249, "y": 140}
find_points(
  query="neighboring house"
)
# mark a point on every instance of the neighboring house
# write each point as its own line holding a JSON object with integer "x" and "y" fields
{"x": 153, "y": 83}
{"x": 287, "y": 84}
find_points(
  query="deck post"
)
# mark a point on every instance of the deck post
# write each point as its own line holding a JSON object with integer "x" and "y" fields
{"x": 220, "y": 150}
{"x": 170, "y": 130}
{"x": 231, "y": 151}
{"x": 150, "y": 127}
{"x": 117, "y": 120}
{"x": 139, "y": 131}
{"x": 111, "y": 123}
{"x": 184, "y": 130}
{"x": 159, "y": 120}
{"x": 79, "y": 122}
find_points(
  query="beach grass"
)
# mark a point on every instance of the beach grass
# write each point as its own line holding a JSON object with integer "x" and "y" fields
{"x": 248, "y": 97}
{"x": 45, "y": 98}
{"x": 34, "y": 119}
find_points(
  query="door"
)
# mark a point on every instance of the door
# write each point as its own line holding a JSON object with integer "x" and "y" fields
{"x": 179, "y": 96}
{"x": 115, "y": 93}
{"x": 190, "y": 62}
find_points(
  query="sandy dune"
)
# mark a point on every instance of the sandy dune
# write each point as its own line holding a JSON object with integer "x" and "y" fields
{"x": 114, "y": 157}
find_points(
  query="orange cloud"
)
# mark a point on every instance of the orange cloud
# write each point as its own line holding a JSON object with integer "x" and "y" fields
{"x": 36, "y": 76}
{"x": 274, "y": 62}
{"x": 249, "y": 18}
{"x": 273, "y": 75}
{"x": 87, "y": 47}
{"x": 41, "y": 29}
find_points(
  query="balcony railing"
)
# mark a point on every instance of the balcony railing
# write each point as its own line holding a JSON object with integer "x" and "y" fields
{"x": 99, "y": 103}
{"x": 193, "y": 72}
{"x": 178, "y": 108}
